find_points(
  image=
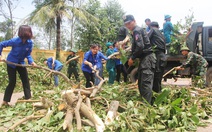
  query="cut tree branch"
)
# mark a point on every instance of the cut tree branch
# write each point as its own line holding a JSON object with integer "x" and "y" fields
{"x": 40, "y": 67}
{"x": 25, "y": 119}
{"x": 74, "y": 58}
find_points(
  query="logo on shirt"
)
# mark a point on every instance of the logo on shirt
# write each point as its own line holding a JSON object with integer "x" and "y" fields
{"x": 27, "y": 49}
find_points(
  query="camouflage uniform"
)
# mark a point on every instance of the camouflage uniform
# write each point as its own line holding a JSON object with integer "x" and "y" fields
{"x": 72, "y": 68}
{"x": 141, "y": 48}
{"x": 197, "y": 64}
{"x": 157, "y": 41}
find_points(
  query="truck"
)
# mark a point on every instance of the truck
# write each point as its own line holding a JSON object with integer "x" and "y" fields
{"x": 198, "y": 41}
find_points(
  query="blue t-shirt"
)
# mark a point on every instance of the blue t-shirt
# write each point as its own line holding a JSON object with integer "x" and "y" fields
{"x": 94, "y": 59}
{"x": 99, "y": 61}
{"x": 19, "y": 50}
{"x": 118, "y": 61}
{"x": 57, "y": 63}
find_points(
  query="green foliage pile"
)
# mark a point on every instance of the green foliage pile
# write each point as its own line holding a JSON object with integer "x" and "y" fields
{"x": 173, "y": 110}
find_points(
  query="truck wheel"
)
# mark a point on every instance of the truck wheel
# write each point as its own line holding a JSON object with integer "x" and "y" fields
{"x": 134, "y": 75}
{"x": 209, "y": 76}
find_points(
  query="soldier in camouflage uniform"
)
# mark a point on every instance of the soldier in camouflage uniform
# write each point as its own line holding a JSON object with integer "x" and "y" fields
{"x": 198, "y": 65}
{"x": 142, "y": 49}
{"x": 72, "y": 66}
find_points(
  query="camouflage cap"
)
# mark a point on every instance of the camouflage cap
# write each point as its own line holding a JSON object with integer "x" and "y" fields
{"x": 73, "y": 50}
{"x": 184, "y": 48}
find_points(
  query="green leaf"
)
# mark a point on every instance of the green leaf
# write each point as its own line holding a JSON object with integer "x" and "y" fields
{"x": 178, "y": 109}
{"x": 130, "y": 104}
{"x": 59, "y": 115}
{"x": 160, "y": 126}
{"x": 193, "y": 109}
{"x": 162, "y": 97}
{"x": 195, "y": 119}
{"x": 176, "y": 102}
{"x": 123, "y": 56}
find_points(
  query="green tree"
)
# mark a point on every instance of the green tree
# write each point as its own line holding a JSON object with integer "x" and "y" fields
{"x": 110, "y": 16}
{"x": 50, "y": 13}
{"x": 6, "y": 28}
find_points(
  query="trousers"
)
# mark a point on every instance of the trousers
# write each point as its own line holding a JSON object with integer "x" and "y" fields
{"x": 12, "y": 82}
{"x": 145, "y": 76}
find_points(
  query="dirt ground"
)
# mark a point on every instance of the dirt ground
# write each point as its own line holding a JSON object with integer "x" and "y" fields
{"x": 179, "y": 82}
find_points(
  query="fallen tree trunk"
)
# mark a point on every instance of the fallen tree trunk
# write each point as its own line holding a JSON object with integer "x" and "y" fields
{"x": 77, "y": 113}
{"x": 112, "y": 113}
{"x": 93, "y": 117}
{"x": 67, "y": 124}
{"x": 88, "y": 102}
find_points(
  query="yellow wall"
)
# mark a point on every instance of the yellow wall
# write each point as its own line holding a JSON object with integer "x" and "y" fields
{"x": 36, "y": 53}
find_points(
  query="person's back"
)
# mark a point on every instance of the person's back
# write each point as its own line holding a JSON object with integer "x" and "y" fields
{"x": 156, "y": 38}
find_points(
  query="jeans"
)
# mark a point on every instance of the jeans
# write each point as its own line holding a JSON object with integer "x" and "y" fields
{"x": 56, "y": 79}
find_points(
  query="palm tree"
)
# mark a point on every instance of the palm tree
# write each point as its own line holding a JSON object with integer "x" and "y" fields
{"x": 49, "y": 13}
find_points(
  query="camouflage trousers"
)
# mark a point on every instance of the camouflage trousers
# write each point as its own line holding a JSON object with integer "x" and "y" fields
{"x": 146, "y": 76}
{"x": 199, "y": 78}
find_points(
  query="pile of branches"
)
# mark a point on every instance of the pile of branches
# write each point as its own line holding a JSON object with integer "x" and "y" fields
{"x": 75, "y": 101}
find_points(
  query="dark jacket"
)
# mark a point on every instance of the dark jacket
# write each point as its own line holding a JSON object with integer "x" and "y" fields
{"x": 140, "y": 44}
{"x": 157, "y": 40}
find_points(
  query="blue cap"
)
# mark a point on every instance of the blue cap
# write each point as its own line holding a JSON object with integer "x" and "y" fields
{"x": 167, "y": 16}
{"x": 109, "y": 44}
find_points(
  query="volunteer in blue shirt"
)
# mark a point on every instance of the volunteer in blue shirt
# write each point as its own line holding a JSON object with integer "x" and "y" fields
{"x": 120, "y": 68}
{"x": 111, "y": 64}
{"x": 90, "y": 60}
{"x": 54, "y": 65}
{"x": 21, "y": 49}
{"x": 100, "y": 61}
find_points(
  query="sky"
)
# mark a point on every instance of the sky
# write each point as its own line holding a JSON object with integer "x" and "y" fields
{"x": 153, "y": 9}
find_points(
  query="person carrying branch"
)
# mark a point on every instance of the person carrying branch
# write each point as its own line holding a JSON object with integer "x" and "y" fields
{"x": 90, "y": 63}
{"x": 54, "y": 65}
{"x": 111, "y": 64}
{"x": 120, "y": 68}
{"x": 198, "y": 64}
{"x": 21, "y": 49}
{"x": 72, "y": 66}
{"x": 142, "y": 49}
